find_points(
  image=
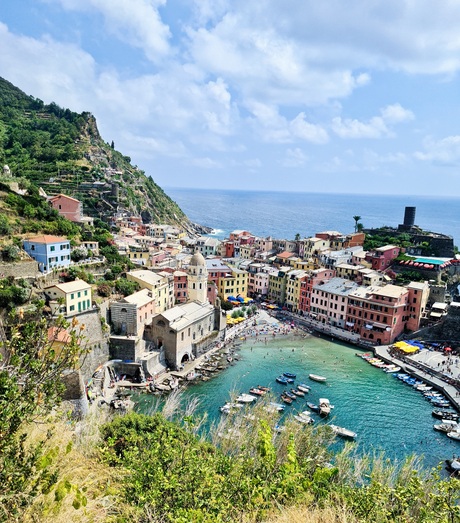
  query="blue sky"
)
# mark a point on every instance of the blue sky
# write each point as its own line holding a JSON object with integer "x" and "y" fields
{"x": 334, "y": 96}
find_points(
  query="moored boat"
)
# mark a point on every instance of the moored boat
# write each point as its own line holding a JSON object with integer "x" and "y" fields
{"x": 289, "y": 375}
{"x": 304, "y": 417}
{"x": 297, "y": 392}
{"x": 275, "y": 406}
{"x": 316, "y": 377}
{"x": 257, "y": 392}
{"x": 286, "y": 399}
{"x": 303, "y": 387}
{"x": 290, "y": 395}
{"x": 313, "y": 406}
{"x": 245, "y": 398}
{"x": 343, "y": 432}
{"x": 445, "y": 414}
{"x": 229, "y": 407}
{"x": 453, "y": 466}
{"x": 446, "y": 425}
{"x": 324, "y": 407}
{"x": 455, "y": 434}
{"x": 282, "y": 380}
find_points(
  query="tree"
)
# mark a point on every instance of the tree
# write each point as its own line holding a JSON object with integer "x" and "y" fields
{"x": 356, "y": 218}
{"x": 30, "y": 386}
{"x": 297, "y": 237}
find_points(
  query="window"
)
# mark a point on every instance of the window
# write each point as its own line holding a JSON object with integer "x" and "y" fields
{"x": 52, "y": 248}
{"x": 72, "y": 296}
{"x": 86, "y": 293}
{"x": 79, "y": 294}
{"x": 72, "y": 308}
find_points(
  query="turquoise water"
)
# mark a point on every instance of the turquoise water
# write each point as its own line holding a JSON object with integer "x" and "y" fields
{"x": 385, "y": 413}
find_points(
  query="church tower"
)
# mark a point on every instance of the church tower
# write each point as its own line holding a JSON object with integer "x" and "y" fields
{"x": 197, "y": 279}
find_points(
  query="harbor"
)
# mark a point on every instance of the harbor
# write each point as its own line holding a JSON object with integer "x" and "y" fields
{"x": 386, "y": 415}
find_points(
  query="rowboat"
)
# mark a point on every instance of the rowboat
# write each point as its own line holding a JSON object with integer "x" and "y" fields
{"x": 315, "y": 377}
{"x": 289, "y": 375}
{"x": 303, "y": 387}
{"x": 324, "y": 407}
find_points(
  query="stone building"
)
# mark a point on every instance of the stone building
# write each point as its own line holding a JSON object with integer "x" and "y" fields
{"x": 188, "y": 330}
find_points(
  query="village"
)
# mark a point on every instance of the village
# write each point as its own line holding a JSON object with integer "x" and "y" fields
{"x": 192, "y": 295}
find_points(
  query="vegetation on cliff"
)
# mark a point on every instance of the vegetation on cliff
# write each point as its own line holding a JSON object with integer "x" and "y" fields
{"x": 62, "y": 151}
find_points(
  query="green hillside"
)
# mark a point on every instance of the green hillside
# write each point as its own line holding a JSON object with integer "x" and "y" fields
{"x": 62, "y": 151}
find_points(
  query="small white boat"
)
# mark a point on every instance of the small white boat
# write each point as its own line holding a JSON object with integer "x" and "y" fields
{"x": 301, "y": 418}
{"x": 446, "y": 426}
{"x": 455, "y": 434}
{"x": 229, "y": 407}
{"x": 343, "y": 432}
{"x": 315, "y": 377}
{"x": 245, "y": 398}
{"x": 394, "y": 368}
{"x": 324, "y": 407}
{"x": 453, "y": 465}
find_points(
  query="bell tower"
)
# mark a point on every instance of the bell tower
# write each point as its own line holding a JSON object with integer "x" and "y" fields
{"x": 197, "y": 279}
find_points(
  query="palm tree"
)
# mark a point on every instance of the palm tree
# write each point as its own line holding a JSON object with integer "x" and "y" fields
{"x": 356, "y": 218}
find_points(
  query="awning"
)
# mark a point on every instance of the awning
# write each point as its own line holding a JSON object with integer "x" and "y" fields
{"x": 368, "y": 327}
{"x": 380, "y": 325}
{"x": 349, "y": 324}
{"x": 435, "y": 314}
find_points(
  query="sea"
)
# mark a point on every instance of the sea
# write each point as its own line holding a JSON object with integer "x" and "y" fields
{"x": 387, "y": 415}
{"x": 282, "y": 215}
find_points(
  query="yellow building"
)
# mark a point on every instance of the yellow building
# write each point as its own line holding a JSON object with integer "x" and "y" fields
{"x": 160, "y": 284}
{"x": 69, "y": 298}
{"x": 235, "y": 284}
{"x": 293, "y": 281}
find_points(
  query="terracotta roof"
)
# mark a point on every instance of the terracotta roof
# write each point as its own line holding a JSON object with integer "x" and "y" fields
{"x": 47, "y": 238}
{"x": 285, "y": 254}
{"x": 61, "y": 195}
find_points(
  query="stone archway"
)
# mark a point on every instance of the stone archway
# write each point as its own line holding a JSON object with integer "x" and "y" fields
{"x": 185, "y": 358}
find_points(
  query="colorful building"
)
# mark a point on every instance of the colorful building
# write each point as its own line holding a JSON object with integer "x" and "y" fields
{"x": 69, "y": 298}
{"x": 48, "y": 251}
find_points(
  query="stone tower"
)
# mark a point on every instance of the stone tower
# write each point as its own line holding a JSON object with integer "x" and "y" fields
{"x": 198, "y": 279}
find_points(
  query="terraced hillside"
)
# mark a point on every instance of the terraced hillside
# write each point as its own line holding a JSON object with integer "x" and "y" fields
{"x": 62, "y": 151}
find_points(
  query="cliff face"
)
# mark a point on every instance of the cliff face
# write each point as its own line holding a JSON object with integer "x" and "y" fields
{"x": 62, "y": 151}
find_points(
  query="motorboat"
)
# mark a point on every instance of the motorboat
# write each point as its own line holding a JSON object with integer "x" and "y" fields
{"x": 304, "y": 417}
{"x": 245, "y": 398}
{"x": 445, "y": 414}
{"x": 298, "y": 392}
{"x": 453, "y": 466}
{"x": 289, "y": 375}
{"x": 315, "y": 377}
{"x": 440, "y": 403}
{"x": 303, "y": 387}
{"x": 282, "y": 380}
{"x": 343, "y": 432}
{"x": 455, "y": 434}
{"x": 393, "y": 368}
{"x": 423, "y": 388}
{"x": 324, "y": 407}
{"x": 313, "y": 406}
{"x": 446, "y": 426}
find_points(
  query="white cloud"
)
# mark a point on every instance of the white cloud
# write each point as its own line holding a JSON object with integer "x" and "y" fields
{"x": 443, "y": 152}
{"x": 396, "y": 113}
{"x": 136, "y": 22}
{"x": 376, "y": 127}
{"x": 205, "y": 163}
{"x": 294, "y": 158}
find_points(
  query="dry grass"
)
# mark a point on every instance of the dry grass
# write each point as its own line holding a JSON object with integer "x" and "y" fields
{"x": 313, "y": 515}
{"x": 76, "y": 462}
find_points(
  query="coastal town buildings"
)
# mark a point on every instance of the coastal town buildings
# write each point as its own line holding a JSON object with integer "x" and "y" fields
{"x": 130, "y": 315}
{"x": 161, "y": 285}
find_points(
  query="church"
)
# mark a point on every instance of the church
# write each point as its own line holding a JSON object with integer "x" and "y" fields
{"x": 186, "y": 331}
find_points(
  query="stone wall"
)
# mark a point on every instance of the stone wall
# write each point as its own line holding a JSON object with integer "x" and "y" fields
{"x": 21, "y": 269}
{"x": 96, "y": 340}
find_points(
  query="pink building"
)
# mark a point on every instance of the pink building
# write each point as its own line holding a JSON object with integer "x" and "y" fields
{"x": 180, "y": 287}
{"x": 382, "y": 257}
{"x": 313, "y": 278}
{"x": 329, "y": 301}
{"x": 378, "y": 314}
{"x": 67, "y": 207}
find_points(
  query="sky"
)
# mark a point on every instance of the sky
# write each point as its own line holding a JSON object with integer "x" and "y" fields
{"x": 335, "y": 96}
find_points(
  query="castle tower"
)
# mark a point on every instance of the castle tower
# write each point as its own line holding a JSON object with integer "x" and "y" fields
{"x": 197, "y": 279}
